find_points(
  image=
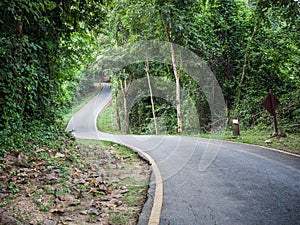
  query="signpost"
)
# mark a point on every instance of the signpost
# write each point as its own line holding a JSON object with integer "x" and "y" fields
{"x": 235, "y": 127}
{"x": 270, "y": 104}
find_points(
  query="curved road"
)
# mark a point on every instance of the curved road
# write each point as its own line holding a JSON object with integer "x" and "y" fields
{"x": 243, "y": 184}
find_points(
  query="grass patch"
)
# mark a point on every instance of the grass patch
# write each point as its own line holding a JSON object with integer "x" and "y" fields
{"x": 257, "y": 136}
{"x": 126, "y": 153}
{"x": 106, "y": 121}
{"x": 44, "y": 202}
{"x": 261, "y": 137}
{"x": 122, "y": 218}
{"x": 137, "y": 187}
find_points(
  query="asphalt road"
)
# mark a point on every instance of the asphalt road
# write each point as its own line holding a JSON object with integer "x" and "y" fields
{"x": 209, "y": 181}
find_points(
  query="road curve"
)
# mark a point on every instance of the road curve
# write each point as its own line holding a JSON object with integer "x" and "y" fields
{"x": 243, "y": 184}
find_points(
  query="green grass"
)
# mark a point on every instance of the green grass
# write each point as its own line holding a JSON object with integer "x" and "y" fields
{"x": 120, "y": 218}
{"x": 135, "y": 187}
{"x": 257, "y": 136}
{"x": 106, "y": 121}
{"x": 126, "y": 153}
{"x": 43, "y": 201}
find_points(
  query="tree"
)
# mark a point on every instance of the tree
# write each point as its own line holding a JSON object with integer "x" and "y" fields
{"x": 43, "y": 46}
{"x": 151, "y": 93}
{"x": 171, "y": 14}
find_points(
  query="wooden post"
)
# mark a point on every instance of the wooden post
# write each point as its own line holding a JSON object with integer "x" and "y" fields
{"x": 272, "y": 103}
{"x": 235, "y": 127}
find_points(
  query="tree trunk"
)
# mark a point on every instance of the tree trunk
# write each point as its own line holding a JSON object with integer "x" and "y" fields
{"x": 168, "y": 31}
{"x": 126, "y": 115}
{"x": 151, "y": 94}
{"x": 178, "y": 101}
{"x": 124, "y": 88}
{"x": 117, "y": 109}
{"x": 246, "y": 57}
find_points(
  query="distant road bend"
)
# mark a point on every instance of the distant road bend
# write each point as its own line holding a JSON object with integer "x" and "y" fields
{"x": 243, "y": 185}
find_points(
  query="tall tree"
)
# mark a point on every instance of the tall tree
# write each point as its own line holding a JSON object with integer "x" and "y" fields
{"x": 173, "y": 15}
{"x": 151, "y": 92}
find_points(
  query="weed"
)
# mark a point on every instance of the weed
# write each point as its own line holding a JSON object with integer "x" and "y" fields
{"x": 15, "y": 172}
{"x": 3, "y": 165}
{"x": 81, "y": 187}
{"x": 27, "y": 219}
{"x": 13, "y": 188}
{"x": 43, "y": 202}
{"x": 6, "y": 202}
{"x": 48, "y": 189}
{"x": 121, "y": 218}
{"x": 44, "y": 155}
{"x": 133, "y": 196}
{"x": 91, "y": 218}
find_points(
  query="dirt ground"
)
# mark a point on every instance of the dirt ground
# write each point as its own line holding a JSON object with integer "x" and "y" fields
{"x": 90, "y": 185}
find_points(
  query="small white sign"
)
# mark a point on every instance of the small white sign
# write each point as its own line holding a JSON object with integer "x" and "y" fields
{"x": 235, "y": 121}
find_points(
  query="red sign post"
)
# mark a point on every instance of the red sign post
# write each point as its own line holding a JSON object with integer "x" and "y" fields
{"x": 270, "y": 104}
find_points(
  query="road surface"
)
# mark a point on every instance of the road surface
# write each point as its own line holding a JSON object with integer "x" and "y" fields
{"x": 209, "y": 181}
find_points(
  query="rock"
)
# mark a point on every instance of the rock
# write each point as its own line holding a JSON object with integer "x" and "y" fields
{"x": 69, "y": 219}
{"x": 117, "y": 196}
{"x": 84, "y": 212}
{"x": 123, "y": 190}
{"x": 51, "y": 177}
{"x": 268, "y": 141}
{"x": 68, "y": 200}
{"x": 79, "y": 181}
{"x": 98, "y": 180}
{"x": 6, "y": 219}
{"x": 49, "y": 222}
{"x": 60, "y": 208}
{"x": 94, "y": 211}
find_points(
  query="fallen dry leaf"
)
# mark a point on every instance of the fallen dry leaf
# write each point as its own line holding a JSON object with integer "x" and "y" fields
{"x": 29, "y": 191}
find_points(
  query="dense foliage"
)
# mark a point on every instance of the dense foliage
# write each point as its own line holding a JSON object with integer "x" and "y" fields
{"x": 43, "y": 47}
{"x": 251, "y": 47}
{"x": 46, "y": 46}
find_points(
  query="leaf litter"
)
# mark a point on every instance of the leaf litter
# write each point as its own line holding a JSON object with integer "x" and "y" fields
{"x": 100, "y": 185}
